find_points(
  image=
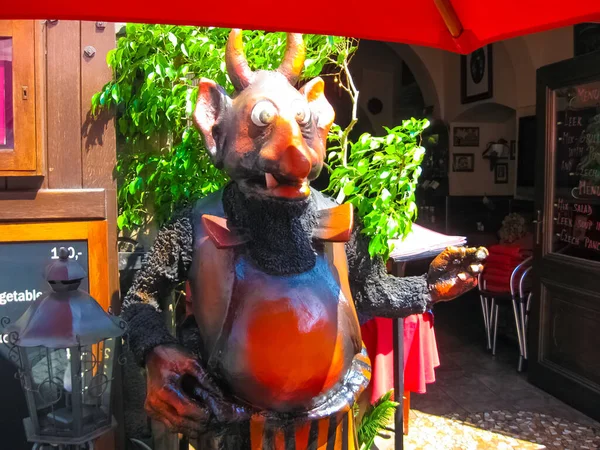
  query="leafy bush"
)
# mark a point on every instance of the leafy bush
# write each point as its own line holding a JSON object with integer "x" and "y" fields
{"x": 379, "y": 177}
{"x": 162, "y": 163}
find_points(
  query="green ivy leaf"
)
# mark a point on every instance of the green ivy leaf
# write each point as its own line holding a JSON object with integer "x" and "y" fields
{"x": 173, "y": 39}
{"x": 121, "y": 220}
{"x": 349, "y": 188}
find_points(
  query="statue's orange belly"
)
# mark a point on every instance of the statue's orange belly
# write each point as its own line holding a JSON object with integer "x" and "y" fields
{"x": 287, "y": 339}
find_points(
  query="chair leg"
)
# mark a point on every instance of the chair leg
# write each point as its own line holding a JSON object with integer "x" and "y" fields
{"x": 518, "y": 327}
{"x": 491, "y": 322}
{"x": 523, "y": 329}
{"x": 486, "y": 321}
{"x": 495, "y": 328}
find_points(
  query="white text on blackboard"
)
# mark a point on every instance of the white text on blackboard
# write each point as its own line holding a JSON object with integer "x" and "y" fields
{"x": 27, "y": 296}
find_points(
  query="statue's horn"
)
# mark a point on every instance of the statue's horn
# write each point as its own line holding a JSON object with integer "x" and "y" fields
{"x": 237, "y": 67}
{"x": 293, "y": 61}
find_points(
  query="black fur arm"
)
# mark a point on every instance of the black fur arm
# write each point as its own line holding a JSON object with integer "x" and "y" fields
{"x": 166, "y": 264}
{"x": 375, "y": 292}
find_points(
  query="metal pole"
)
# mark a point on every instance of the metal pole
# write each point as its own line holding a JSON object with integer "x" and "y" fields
{"x": 398, "y": 340}
{"x": 399, "y": 383}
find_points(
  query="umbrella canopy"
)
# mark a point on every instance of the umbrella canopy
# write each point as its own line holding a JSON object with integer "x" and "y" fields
{"x": 460, "y": 26}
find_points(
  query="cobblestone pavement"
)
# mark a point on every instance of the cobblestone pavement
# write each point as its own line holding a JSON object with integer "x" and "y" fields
{"x": 481, "y": 402}
{"x": 498, "y": 430}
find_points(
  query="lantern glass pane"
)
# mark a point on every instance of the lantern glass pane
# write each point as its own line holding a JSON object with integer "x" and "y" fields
{"x": 46, "y": 377}
{"x": 69, "y": 390}
{"x": 96, "y": 381}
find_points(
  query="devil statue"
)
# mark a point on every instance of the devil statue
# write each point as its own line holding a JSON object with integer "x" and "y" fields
{"x": 270, "y": 354}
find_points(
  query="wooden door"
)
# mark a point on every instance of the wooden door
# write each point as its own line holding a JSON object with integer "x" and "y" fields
{"x": 564, "y": 357}
{"x": 17, "y": 97}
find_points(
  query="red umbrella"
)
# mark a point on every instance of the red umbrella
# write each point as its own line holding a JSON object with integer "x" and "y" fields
{"x": 455, "y": 25}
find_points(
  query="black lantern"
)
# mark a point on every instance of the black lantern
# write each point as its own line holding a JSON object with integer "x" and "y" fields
{"x": 64, "y": 346}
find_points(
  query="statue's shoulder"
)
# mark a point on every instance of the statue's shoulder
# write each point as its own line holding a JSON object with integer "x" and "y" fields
{"x": 212, "y": 205}
{"x": 322, "y": 201}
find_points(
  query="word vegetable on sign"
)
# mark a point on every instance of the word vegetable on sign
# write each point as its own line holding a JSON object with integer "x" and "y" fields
{"x": 577, "y": 176}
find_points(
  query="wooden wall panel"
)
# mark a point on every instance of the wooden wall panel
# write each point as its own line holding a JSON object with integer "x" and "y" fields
{"x": 64, "y": 105}
{"x": 98, "y": 138}
{"x": 52, "y": 204}
{"x": 98, "y": 134}
{"x": 99, "y": 158}
{"x": 78, "y": 152}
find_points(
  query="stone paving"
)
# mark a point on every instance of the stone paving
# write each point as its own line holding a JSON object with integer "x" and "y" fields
{"x": 482, "y": 402}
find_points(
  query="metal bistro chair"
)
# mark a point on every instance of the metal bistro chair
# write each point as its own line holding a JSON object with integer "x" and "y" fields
{"x": 520, "y": 300}
{"x": 521, "y": 306}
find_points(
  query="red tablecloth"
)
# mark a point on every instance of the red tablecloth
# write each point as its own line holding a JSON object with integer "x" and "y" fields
{"x": 420, "y": 353}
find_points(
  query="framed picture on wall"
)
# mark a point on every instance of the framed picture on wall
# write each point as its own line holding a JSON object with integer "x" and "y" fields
{"x": 463, "y": 162}
{"x": 466, "y": 136}
{"x": 586, "y": 38}
{"x": 501, "y": 173}
{"x": 476, "y": 75}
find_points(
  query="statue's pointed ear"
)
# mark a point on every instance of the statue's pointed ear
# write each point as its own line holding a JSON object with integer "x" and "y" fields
{"x": 211, "y": 110}
{"x": 319, "y": 106}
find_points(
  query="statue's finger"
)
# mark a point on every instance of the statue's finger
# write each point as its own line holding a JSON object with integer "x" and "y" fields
{"x": 222, "y": 409}
{"x": 184, "y": 407}
{"x": 481, "y": 253}
{"x": 476, "y": 268}
{"x": 166, "y": 414}
{"x": 199, "y": 374}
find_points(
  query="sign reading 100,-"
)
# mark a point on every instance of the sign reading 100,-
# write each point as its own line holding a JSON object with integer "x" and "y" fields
{"x": 73, "y": 254}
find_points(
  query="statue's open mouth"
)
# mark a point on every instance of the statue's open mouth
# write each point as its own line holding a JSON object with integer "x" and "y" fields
{"x": 275, "y": 186}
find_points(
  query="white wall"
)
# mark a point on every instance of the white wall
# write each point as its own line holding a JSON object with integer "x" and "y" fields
{"x": 515, "y": 63}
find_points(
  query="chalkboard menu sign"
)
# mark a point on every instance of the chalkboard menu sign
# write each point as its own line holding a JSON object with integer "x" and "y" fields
{"x": 577, "y": 173}
{"x": 26, "y": 251}
{"x": 23, "y": 279}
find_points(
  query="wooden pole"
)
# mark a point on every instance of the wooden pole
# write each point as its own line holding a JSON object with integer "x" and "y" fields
{"x": 450, "y": 18}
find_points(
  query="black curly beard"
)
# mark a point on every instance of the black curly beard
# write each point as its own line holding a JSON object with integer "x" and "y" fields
{"x": 280, "y": 231}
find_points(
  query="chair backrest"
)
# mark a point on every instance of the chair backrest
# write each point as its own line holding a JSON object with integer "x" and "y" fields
{"x": 516, "y": 277}
{"x": 522, "y": 286}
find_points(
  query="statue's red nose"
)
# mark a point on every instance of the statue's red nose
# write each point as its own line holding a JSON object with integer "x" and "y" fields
{"x": 295, "y": 163}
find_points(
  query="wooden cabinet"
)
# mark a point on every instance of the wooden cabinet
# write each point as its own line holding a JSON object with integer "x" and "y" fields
{"x": 20, "y": 147}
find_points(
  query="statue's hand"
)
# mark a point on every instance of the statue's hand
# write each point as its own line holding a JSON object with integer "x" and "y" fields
{"x": 182, "y": 395}
{"x": 454, "y": 272}
{"x": 168, "y": 368}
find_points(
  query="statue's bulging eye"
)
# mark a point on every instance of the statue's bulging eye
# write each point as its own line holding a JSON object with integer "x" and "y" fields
{"x": 302, "y": 112}
{"x": 263, "y": 113}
